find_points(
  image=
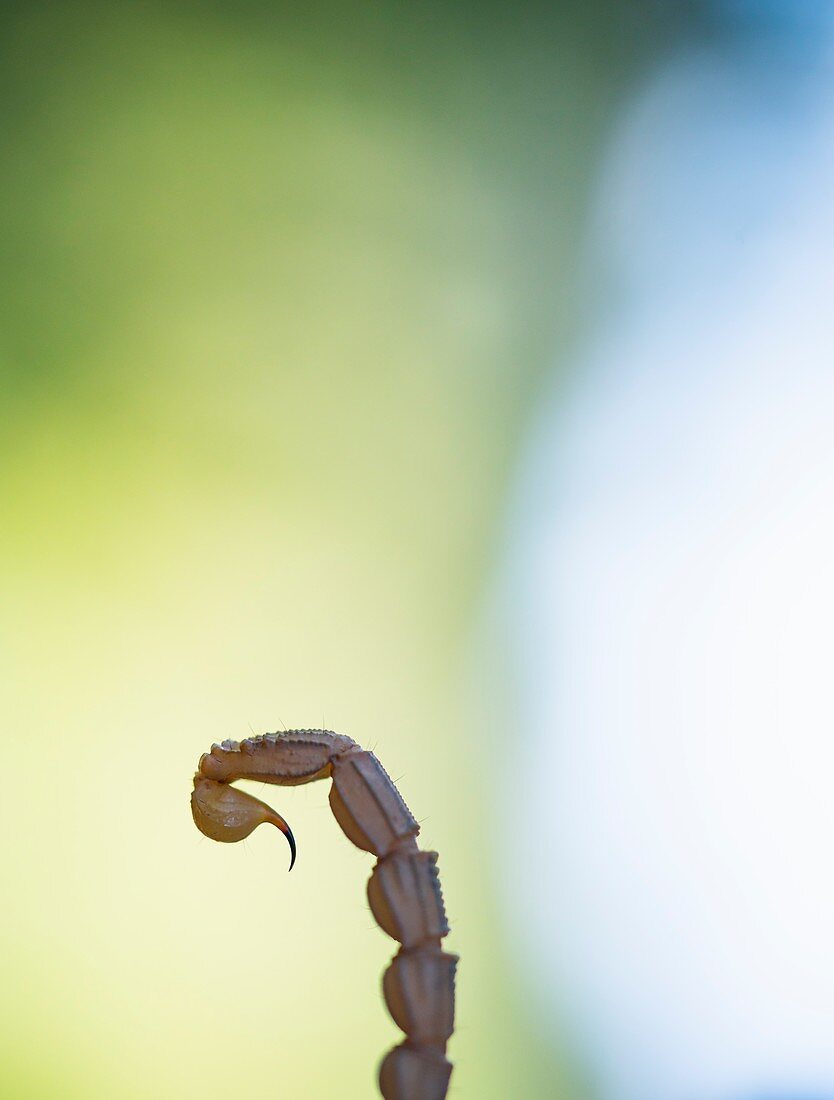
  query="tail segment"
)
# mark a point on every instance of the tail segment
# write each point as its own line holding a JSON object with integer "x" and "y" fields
{"x": 403, "y": 891}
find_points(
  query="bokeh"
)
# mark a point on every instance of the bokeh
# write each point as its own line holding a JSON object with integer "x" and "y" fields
{"x": 667, "y": 597}
{"x": 336, "y": 342}
{"x": 278, "y": 288}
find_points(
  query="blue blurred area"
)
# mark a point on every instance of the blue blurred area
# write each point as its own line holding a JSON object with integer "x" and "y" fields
{"x": 669, "y": 594}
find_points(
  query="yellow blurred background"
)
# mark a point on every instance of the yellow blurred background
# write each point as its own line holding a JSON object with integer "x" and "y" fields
{"x": 279, "y": 288}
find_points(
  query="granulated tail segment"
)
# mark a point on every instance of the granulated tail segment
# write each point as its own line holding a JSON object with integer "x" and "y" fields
{"x": 403, "y": 891}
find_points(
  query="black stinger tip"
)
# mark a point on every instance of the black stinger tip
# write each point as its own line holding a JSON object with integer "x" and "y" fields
{"x": 291, "y": 842}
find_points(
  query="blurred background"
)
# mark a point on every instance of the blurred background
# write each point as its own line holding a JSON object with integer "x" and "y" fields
{"x": 456, "y": 377}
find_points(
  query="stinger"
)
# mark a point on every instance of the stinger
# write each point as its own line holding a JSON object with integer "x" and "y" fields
{"x": 224, "y": 813}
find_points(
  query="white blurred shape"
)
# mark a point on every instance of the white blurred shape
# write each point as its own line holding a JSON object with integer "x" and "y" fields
{"x": 672, "y": 590}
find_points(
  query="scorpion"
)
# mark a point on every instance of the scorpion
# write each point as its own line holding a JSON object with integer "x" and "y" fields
{"x": 403, "y": 890}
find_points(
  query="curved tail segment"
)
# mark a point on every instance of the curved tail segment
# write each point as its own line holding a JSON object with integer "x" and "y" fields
{"x": 403, "y": 891}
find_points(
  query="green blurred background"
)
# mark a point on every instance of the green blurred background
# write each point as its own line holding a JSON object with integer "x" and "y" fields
{"x": 279, "y": 290}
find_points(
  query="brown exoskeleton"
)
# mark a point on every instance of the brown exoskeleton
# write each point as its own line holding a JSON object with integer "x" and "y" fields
{"x": 403, "y": 890}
